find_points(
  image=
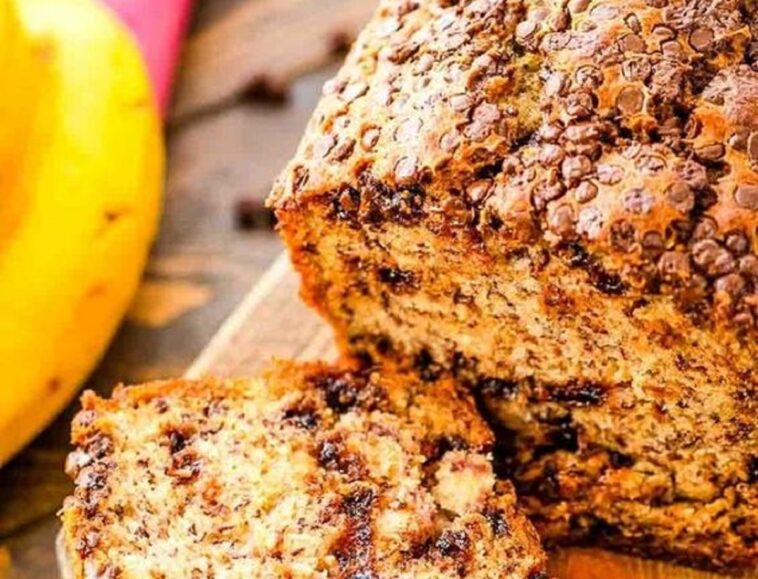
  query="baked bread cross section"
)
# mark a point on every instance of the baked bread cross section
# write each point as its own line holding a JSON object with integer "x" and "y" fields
{"x": 557, "y": 202}
{"x": 307, "y": 471}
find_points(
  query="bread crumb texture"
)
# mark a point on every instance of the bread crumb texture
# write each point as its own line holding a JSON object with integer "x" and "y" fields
{"x": 307, "y": 471}
{"x": 557, "y": 201}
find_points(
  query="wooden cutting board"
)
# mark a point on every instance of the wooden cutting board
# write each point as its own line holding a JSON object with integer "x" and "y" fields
{"x": 273, "y": 323}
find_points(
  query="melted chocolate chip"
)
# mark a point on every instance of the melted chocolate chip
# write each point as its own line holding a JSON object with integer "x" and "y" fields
{"x": 497, "y": 520}
{"x": 498, "y": 387}
{"x": 305, "y": 417}
{"x": 396, "y": 277}
{"x": 353, "y": 549}
{"x": 620, "y": 460}
{"x": 604, "y": 281}
{"x": 429, "y": 370}
{"x": 752, "y": 469}
{"x": 453, "y": 543}
{"x": 333, "y": 455}
{"x": 579, "y": 394}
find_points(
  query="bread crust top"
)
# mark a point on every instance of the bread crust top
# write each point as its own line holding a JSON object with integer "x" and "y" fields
{"x": 623, "y": 131}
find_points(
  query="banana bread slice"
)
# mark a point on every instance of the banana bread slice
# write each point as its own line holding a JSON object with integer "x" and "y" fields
{"x": 308, "y": 471}
{"x": 560, "y": 196}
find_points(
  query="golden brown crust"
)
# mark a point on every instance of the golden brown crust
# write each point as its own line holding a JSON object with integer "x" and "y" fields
{"x": 626, "y": 127}
{"x": 556, "y": 194}
{"x": 308, "y": 471}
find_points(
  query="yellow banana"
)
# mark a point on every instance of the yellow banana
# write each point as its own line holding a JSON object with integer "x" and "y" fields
{"x": 80, "y": 207}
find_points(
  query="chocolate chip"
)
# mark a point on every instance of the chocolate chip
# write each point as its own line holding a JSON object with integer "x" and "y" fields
{"x": 574, "y": 168}
{"x": 453, "y": 543}
{"x": 663, "y": 32}
{"x": 693, "y": 173}
{"x": 477, "y": 130}
{"x": 672, "y": 49}
{"x": 706, "y": 228}
{"x": 354, "y": 91}
{"x": 324, "y": 146}
{"x": 732, "y": 284}
{"x": 746, "y": 196}
{"x": 623, "y": 235}
{"x": 370, "y": 138}
{"x": 498, "y": 387}
{"x": 715, "y": 260}
{"x": 620, "y": 460}
{"x": 461, "y": 103}
{"x": 752, "y": 148}
{"x": 497, "y": 520}
{"x": 590, "y": 222}
{"x": 555, "y": 84}
{"x": 632, "y": 43}
{"x": 478, "y": 191}
{"x": 738, "y": 243}
{"x": 486, "y": 113}
{"x": 585, "y": 191}
{"x": 396, "y": 277}
{"x": 408, "y": 130}
{"x": 752, "y": 468}
{"x": 177, "y": 441}
{"x": 305, "y": 417}
{"x": 652, "y": 245}
{"x": 579, "y": 394}
{"x": 604, "y": 12}
{"x": 577, "y": 6}
{"x": 609, "y": 174}
{"x": 449, "y": 141}
{"x": 701, "y": 39}
{"x": 680, "y": 196}
{"x": 674, "y": 265}
{"x": 406, "y": 169}
{"x": 550, "y": 132}
{"x": 638, "y": 201}
{"x": 748, "y": 265}
{"x": 525, "y": 30}
{"x": 561, "y": 220}
{"x": 346, "y": 204}
{"x": 739, "y": 138}
{"x": 651, "y": 164}
{"x": 579, "y": 105}
{"x": 332, "y": 454}
{"x": 712, "y": 152}
{"x": 551, "y": 155}
{"x": 630, "y": 100}
{"x": 588, "y": 76}
{"x": 344, "y": 149}
{"x": 636, "y": 69}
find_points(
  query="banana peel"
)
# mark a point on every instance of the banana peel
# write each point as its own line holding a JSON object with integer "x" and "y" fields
{"x": 79, "y": 206}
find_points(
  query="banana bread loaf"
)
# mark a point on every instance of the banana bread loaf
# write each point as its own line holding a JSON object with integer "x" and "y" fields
{"x": 558, "y": 201}
{"x": 306, "y": 472}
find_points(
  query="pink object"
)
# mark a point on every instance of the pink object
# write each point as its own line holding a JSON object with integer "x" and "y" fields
{"x": 159, "y": 26}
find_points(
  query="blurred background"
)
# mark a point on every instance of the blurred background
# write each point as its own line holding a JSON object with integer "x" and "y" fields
{"x": 249, "y": 73}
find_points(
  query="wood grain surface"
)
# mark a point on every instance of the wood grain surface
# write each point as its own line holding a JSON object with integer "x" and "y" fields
{"x": 261, "y": 47}
{"x": 273, "y": 323}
